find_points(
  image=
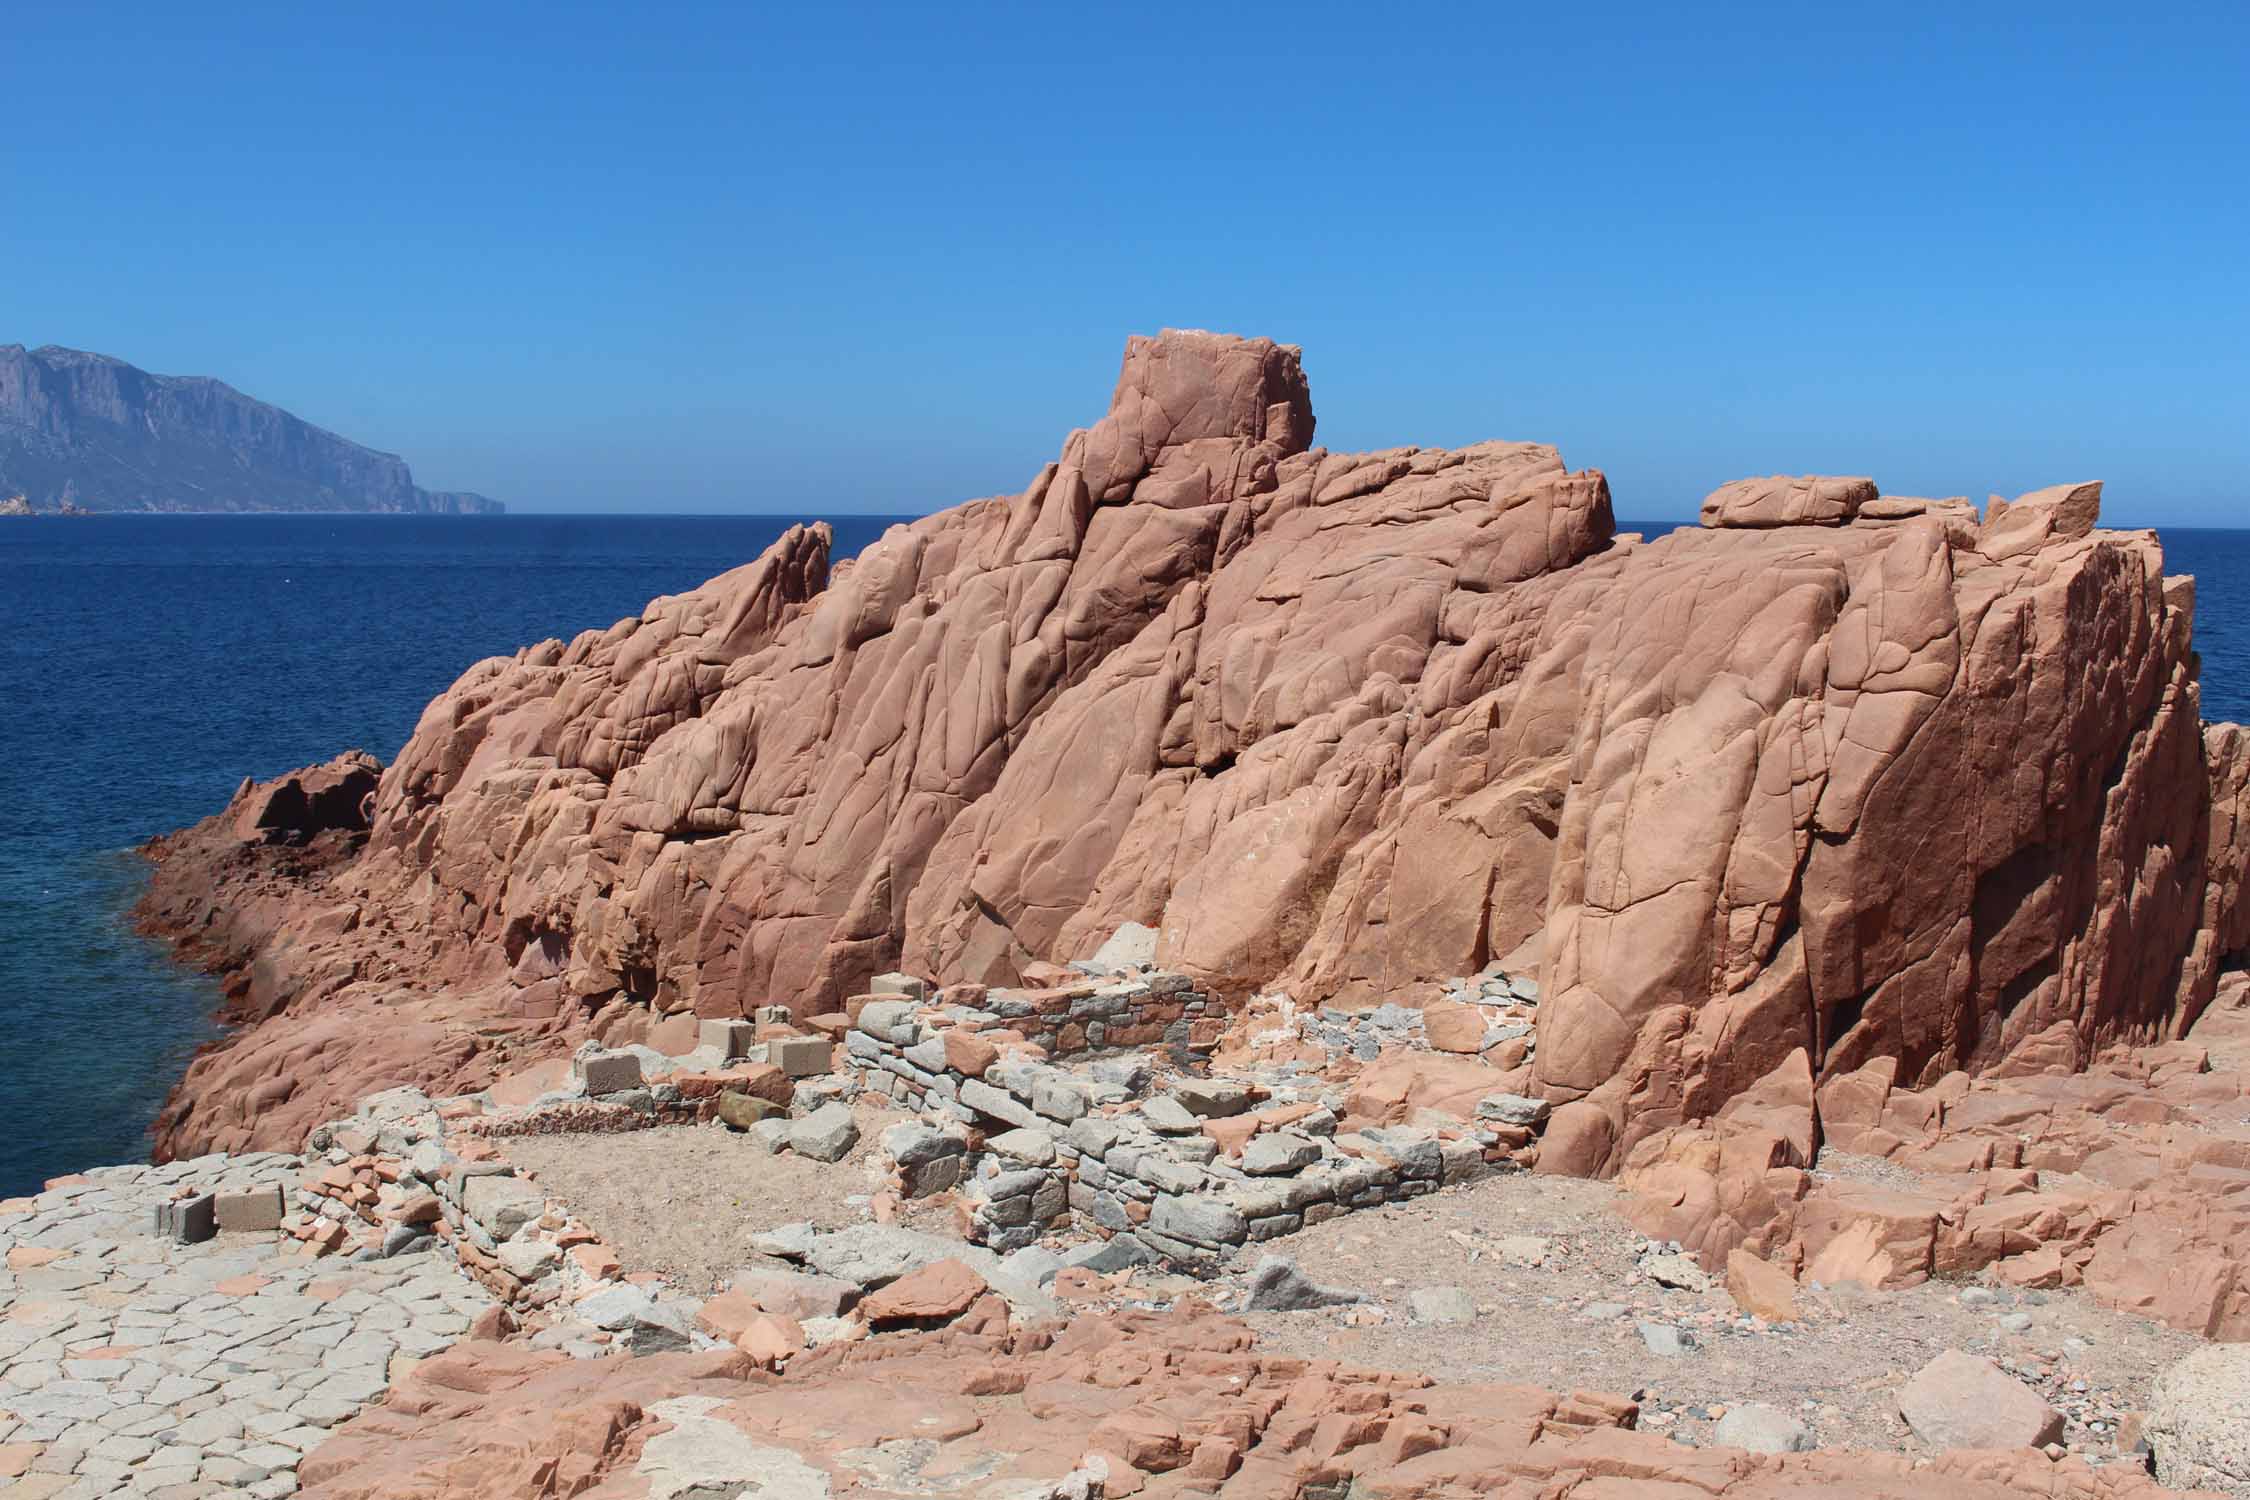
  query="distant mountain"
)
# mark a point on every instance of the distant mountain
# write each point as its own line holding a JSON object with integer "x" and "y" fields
{"x": 92, "y": 431}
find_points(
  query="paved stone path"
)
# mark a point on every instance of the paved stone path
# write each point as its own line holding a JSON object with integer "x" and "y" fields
{"x": 130, "y": 1365}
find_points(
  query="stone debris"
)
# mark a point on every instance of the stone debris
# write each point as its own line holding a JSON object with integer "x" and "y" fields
{"x": 1665, "y": 1340}
{"x": 1033, "y": 1147}
{"x": 2020, "y": 1176}
{"x": 1276, "y": 1285}
{"x": 1442, "y": 1305}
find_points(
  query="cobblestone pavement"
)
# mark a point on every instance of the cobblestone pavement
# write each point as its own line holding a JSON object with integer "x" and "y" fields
{"x": 130, "y": 1365}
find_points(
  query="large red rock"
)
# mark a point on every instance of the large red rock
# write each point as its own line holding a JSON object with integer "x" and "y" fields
{"x": 1127, "y": 1403}
{"x": 1908, "y": 788}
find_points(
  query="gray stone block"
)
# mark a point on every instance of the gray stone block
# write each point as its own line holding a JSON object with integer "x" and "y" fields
{"x": 826, "y": 1134}
{"x": 1110, "y": 1256}
{"x": 1168, "y": 1116}
{"x": 1276, "y": 1285}
{"x": 1105, "y": 1209}
{"x": 892, "y": 1020}
{"x": 770, "y": 1134}
{"x": 1129, "y": 1073}
{"x": 1519, "y": 1110}
{"x": 1198, "y": 1220}
{"x": 987, "y": 1100}
{"x": 1092, "y": 1136}
{"x": 1198, "y": 1148}
{"x": 1058, "y": 1100}
{"x": 502, "y": 1205}
{"x": 1032, "y": 1147}
{"x": 1277, "y": 1153}
{"x": 1213, "y": 1098}
{"x": 917, "y": 990}
{"x": 1171, "y": 1176}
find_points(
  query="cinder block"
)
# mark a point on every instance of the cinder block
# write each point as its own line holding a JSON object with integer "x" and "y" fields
{"x": 251, "y": 1209}
{"x": 732, "y": 1039}
{"x": 190, "y": 1221}
{"x": 608, "y": 1072}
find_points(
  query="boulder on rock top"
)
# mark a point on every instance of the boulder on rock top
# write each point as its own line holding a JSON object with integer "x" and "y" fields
{"x": 1783, "y": 500}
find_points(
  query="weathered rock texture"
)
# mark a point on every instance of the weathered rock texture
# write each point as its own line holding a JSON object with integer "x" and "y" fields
{"x": 1118, "y": 1405}
{"x": 1915, "y": 787}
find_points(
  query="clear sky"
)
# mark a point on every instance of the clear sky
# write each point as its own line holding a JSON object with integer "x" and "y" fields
{"x": 819, "y": 259}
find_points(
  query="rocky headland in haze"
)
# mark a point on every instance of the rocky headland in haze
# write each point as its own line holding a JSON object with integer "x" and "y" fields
{"x": 85, "y": 431}
{"x": 1085, "y": 904}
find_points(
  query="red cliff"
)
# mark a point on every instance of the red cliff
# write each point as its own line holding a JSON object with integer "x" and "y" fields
{"x": 1840, "y": 771}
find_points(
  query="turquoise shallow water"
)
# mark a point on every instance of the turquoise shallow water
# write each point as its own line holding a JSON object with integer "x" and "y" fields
{"x": 150, "y": 663}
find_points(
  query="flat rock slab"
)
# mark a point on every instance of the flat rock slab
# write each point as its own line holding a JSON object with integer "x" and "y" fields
{"x": 156, "y": 1367}
{"x": 1961, "y": 1400}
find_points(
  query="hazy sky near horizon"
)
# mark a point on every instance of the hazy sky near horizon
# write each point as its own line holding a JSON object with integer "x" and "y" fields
{"x": 820, "y": 260}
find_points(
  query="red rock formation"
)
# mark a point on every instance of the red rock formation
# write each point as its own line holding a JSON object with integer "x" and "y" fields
{"x": 1899, "y": 784}
{"x": 1146, "y": 1405}
{"x": 2125, "y": 1180}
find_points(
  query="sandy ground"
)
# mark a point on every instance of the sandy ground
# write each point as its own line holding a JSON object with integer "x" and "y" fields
{"x": 1836, "y": 1370}
{"x": 685, "y": 1200}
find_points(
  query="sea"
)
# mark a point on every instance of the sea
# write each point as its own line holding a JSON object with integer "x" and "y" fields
{"x": 150, "y": 663}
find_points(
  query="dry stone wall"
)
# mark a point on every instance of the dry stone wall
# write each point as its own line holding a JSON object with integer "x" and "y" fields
{"x": 1153, "y": 1160}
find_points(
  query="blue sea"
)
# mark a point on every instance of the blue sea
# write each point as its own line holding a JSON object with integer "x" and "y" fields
{"x": 152, "y": 662}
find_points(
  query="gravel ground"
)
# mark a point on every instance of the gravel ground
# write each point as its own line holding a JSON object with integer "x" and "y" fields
{"x": 684, "y": 1200}
{"x": 1836, "y": 1370}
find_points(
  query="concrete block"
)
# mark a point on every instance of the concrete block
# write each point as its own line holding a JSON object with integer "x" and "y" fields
{"x": 917, "y": 990}
{"x": 607, "y": 1072}
{"x": 800, "y": 1056}
{"x": 250, "y": 1209}
{"x": 189, "y": 1221}
{"x": 730, "y": 1039}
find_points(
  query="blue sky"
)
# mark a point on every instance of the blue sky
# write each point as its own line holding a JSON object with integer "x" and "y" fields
{"x": 880, "y": 258}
